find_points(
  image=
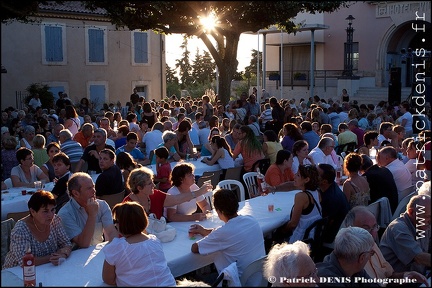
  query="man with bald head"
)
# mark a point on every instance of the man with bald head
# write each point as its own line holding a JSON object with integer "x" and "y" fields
{"x": 387, "y": 157}
{"x": 322, "y": 153}
{"x": 376, "y": 267}
{"x": 405, "y": 242}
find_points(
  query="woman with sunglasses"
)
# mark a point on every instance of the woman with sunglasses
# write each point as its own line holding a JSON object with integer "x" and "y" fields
{"x": 306, "y": 208}
{"x": 221, "y": 153}
{"x": 26, "y": 173}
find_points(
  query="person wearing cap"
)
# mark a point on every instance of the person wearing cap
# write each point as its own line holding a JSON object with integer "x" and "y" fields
{"x": 354, "y": 127}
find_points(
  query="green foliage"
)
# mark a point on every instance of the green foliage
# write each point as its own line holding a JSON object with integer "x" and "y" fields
{"x": 252, "y": 68}
{"x": 46, "y": 96}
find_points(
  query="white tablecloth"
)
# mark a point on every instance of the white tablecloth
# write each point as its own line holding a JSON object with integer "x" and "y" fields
{"x": 84, "y": 266}
{"x": 200, "y": 167}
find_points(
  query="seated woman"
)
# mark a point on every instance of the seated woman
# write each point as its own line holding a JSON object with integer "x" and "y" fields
{"x": 271, "y": 145}
{"x": 140, "y": 183}
{"x": 356, "y": 187}
{"x": 122, "y": 254}
{"x": 306, "y": 208}
{"x": 170, "y": 142}
{"x": 39, "y": 152}
{"x": 207, "y": 148}
{"x": 301, "y": 155}
{"x": 41, "y": 231}
{"x": 110, "y": 181}
{"x": 249, "y": 147}
{"x": 221, "y": 153}
{"x": 26, "y": 173}
{"x": 62, "y": 171}
{"x": 52, "y": 149}
{"x": 183, "y": 181}
{"x": 185, "y": 145}
{"x": 280, "y": 172}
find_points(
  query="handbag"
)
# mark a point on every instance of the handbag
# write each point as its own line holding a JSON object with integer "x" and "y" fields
{"x": 158, "y": 227}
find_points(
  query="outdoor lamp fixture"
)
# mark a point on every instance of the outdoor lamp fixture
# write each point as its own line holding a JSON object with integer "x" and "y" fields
{"x": 348, "y": 49}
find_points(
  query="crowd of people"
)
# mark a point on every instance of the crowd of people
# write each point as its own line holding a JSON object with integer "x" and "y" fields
{"x": 308, "y": 149}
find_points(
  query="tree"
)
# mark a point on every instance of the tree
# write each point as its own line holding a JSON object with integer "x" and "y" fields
{"x": 45, "y": 95}
{"x": 231, "y": 18}
{"x": 172, "y": 82}
{"x": 184, "y": 66}
{"x": 252, "y": 68}
{"x": 203, "y": 68}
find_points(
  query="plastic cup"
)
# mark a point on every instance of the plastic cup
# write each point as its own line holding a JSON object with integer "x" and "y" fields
{"x": 38, "y": 184}
{"x": 270, "y": 207}
{"x": 61, "y": 261}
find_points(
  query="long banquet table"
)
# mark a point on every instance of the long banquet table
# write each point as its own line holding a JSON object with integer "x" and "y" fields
{"x": 200, "y": 167}
{"x": 84, "y": 266}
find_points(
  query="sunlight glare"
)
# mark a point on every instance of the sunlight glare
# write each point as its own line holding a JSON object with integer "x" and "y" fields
{"x": 208, "y": 22}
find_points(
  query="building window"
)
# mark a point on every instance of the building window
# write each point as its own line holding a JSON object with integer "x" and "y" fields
{"x": 53, "y": 44}
{"x": 140, "y": 48}
{"x": 96, "y": 45}
{"x": 98, "y": 93}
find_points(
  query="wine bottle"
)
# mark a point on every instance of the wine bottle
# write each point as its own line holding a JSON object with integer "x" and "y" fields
{"x": 29, "y": 271}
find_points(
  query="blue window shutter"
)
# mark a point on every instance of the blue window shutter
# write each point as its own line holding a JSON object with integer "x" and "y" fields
{"x": 96, "y": 45}
{"x": 53, "y": 44}
{"x": 140, "y": 50}
{"x": 97, "y": 95}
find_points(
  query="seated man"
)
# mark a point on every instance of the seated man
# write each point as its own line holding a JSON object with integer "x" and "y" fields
{"x": 110, "y": 181}
{"x": 388, "y": 157}
{"x": 84, "y": 217}
{"x": 352, "y": 249}
{"x": 322, "y": 152}
{"x": 62, "y": 172}
{"x": 381, "y": 182}
{"x": 376, "y": 267}
{"x": 405, "y": 241}
{"x": 334, "y": 204}
{"x": 346, "y": 135}
{"x": 240, "y": 239}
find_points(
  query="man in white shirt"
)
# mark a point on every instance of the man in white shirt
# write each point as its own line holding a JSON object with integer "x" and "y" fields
{"x": 387, "y": 133}
{"x": 203, "y": 132}
{"x": 387, "y": 157}
{"x": 322, "y": 153}
{"x": 35, "y": 102}
{"x": 198, "y": 119}
{"x": 153, "y": 138}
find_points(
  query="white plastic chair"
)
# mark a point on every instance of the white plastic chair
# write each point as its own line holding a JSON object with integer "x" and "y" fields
{"x": 230, "y": 185}
{"x": 253, "y": 275}
{"x": 249, "y": 179}
{"x": 8, "y": 183}
{"x": 402, "y": 194}
{"x": 402, "y": 205}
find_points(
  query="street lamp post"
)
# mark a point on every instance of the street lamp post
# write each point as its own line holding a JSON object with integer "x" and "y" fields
{"x": 348, "y": 51}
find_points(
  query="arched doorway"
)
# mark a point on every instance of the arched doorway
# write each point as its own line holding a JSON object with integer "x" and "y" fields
{"x": 401, "y": 50}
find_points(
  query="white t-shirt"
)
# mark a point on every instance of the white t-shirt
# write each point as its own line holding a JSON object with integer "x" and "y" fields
{"x": 409, "y": 123}
{"x": 319, "y": 157}
{"x": 240, "y": 239}
{"x": 186, "y": 208}
{"x": 401, "y": 175}
{"x": 151, "y": 140}
{"x": 141, "y": 264}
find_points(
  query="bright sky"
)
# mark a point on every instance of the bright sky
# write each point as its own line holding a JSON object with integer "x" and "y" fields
{"x": 173, "y": 52}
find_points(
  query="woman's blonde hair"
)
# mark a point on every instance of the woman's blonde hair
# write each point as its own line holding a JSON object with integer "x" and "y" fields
{"x": 39, "y": 141}
{"x": 138, "y": 178}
